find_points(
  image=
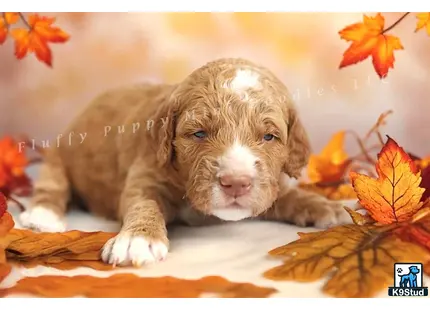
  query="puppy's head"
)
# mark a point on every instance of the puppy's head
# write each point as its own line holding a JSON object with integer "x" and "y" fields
{"x": 232, "y": 131}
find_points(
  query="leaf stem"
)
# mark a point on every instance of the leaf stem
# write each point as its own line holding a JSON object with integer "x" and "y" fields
{"x": 364, "y": 151}
{"x": 24, "y": 20}
{"x": 396, "y": 23}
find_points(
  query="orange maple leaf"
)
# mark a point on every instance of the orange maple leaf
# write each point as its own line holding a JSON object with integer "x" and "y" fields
{"x": 423, "y": 20}
{"x": 36, "y": 38}
{"x": 331, "y": 163}
{"x": 12, "y": 168}
{"x": 5, "y": 20}
{"x": 395, "y": 195}
{"x": 369, "y": 39}
{"x": 11, "y": 17}
{"x": 3, "y": 30}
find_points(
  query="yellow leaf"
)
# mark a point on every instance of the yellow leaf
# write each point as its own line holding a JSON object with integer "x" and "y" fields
{"x": 11, "y": 17}
{"x": 331, "y": 163}
{"x": 423, "y": 20}
{"x": 395, "y": 195}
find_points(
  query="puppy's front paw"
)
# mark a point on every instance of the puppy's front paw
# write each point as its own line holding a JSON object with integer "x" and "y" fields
{"x": 322, "y": 213}
{"x": 128, "y": 249}
{"x": 42, "y": 219}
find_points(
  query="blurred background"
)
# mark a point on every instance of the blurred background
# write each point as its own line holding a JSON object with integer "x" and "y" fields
{"x": 304, "y": 49}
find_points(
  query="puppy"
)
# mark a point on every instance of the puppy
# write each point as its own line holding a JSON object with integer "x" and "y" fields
{"x": 219, "y": 146}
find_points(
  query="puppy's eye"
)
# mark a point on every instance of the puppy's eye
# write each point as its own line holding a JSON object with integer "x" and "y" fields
{"x": 200, "y": 134}
{"x": 268, "y": 137}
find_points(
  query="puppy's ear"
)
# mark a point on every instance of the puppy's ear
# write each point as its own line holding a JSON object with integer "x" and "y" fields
{"x": 298, "y": 145}
{"x": 167, "y": 113}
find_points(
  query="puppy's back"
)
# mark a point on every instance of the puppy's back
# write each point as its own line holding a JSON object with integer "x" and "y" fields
{"x": 98, "y": 147}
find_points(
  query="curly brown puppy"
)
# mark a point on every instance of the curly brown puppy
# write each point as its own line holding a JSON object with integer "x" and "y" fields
{"x": 219, "y": 146}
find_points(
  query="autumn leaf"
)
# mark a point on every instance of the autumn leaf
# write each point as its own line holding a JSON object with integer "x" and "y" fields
{"x": 13, "y": 163}
{"x": 368, "y": 39}
{"x": 423, "y": 21}
{"x": 57, "y": 249}
{"x": 358, "y": 260}
{"x": 35, "y": 40}
{"x": 11, "y": 17}
{"x": 331, "y": 163}
{"x": 61, "y": 263}
{"x": 3, "y": 30}
{"x": 395, "y": 195}
{"x": 335, "y": 192}
{"x": 6, "y": 20}
{"x": 130, "y": 286}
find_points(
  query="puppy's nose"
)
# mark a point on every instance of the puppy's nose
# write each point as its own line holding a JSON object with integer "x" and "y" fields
{"x": 234, "y": 185}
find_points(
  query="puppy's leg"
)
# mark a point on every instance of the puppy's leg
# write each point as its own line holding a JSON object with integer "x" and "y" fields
{"x": 143, "y": 235}
{"x": 51, "y": 194}
{"x": 304, "y": 208}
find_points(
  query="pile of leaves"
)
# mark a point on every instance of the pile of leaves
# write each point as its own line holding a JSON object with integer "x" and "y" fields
{"x": 328, "y": 173}
{"x": 391, "y": 224}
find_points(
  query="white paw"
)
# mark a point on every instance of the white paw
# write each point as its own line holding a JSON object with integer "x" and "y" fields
{"x": 125, "y": 249}
{"x": 42, "y": 219}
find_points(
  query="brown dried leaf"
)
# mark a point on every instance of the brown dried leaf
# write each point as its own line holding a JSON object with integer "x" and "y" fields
{"x": 357, "y": 259}
{"x": 132, "y": 286}
{"x": 63, "y": 264}
{"x": 59, "y": 250}
{"x": 358, "y": 218}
